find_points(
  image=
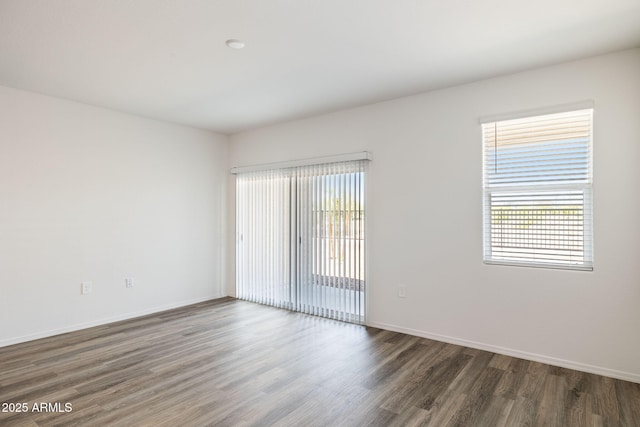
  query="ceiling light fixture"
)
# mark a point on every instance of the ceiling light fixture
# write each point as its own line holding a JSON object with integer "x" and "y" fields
{"x": 235, "y": 44}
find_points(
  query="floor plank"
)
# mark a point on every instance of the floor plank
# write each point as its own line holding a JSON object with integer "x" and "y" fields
{"x": 233, "y": 363}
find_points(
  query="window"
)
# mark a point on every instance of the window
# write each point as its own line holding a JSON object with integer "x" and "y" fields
{"x": 300, "y": 238}
{"x": 537, "y": 190}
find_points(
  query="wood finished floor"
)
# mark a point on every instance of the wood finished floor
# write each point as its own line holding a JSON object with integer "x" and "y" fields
{"x": 234, "y": 363}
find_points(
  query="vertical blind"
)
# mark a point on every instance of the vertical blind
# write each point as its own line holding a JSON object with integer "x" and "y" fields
{"x": 537, "y": 190}
{"x": 264, "y": 234}
{"x": 301, "y": 239}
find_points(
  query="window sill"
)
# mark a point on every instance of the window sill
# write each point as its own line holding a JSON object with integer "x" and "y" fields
{"x": 540, "y": 265}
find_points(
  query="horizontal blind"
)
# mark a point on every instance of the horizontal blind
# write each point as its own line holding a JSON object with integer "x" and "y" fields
{"x": 549, "y": 149}
{"x": 540, "y": 226}
{"x": 537, "y": 184}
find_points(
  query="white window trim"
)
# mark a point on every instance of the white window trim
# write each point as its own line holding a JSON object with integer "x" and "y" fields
{"x": 586, "y": 188}
{"x": 560, "y": 108}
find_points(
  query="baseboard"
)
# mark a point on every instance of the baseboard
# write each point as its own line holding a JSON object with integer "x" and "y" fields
{"x": 598, "y": 370}
{"x": 104, "y": 321}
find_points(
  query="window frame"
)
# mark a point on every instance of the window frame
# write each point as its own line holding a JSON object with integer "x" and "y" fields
{"x": 536, "y": 189}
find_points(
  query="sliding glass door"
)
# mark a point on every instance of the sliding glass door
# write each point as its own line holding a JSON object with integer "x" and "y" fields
{"x": 264, "y": 237}
{"x": 300, "y": 239}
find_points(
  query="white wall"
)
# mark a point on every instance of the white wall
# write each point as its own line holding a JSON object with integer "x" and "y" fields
{"x": 88, "y": 194}
{"x": 425, "y": 216}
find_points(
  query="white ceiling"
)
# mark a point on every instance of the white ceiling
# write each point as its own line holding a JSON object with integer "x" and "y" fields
{"x": 166, "y": 59}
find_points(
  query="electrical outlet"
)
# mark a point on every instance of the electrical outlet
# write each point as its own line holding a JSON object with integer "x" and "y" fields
{"x": 402, "y": 291}
{"x": 86, "y": 288}
{"x": 128, "y": 282}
